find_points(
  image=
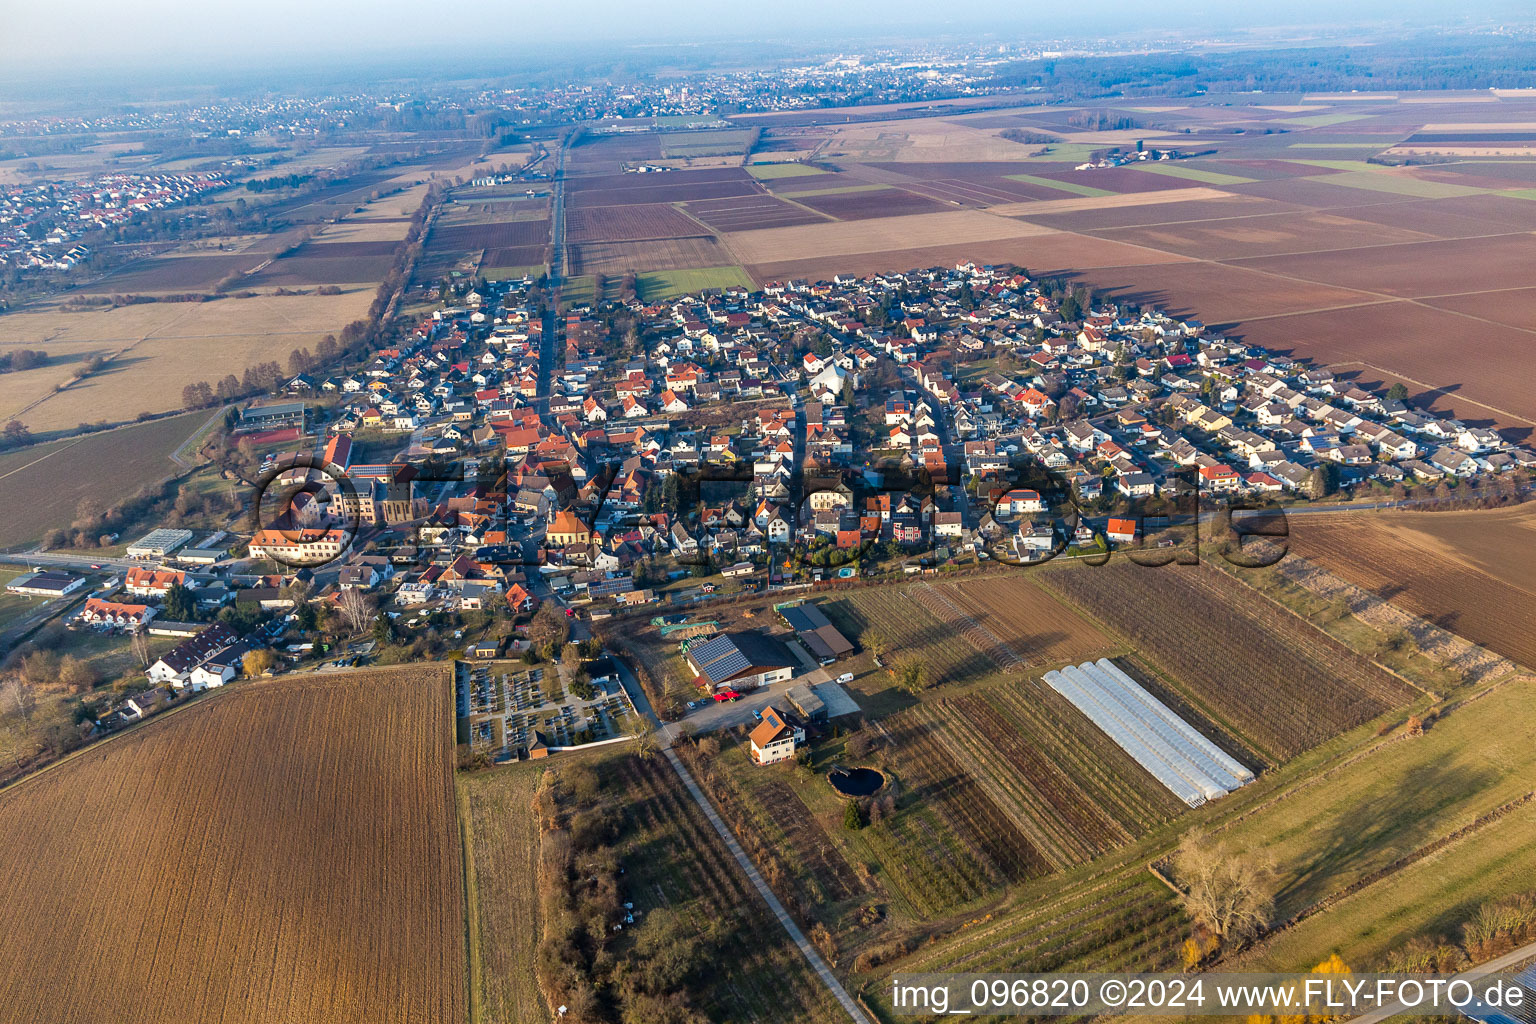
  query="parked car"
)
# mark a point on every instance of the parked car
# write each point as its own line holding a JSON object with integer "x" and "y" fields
{"x": 846, "y": 677}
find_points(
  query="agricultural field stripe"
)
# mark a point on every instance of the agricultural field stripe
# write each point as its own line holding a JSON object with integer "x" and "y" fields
{"x": 1064, "y": 186}
{"x": 768, "y": 172}
{"x": 1192, "y": 173}
{"x": 833, "y": 191}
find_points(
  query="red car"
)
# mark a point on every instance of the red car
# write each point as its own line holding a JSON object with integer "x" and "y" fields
{"x": 725, "y": 695}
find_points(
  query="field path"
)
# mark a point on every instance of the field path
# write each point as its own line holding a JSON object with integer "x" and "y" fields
{"x": 664, "y": 738}
{"x": 806, "y": 949}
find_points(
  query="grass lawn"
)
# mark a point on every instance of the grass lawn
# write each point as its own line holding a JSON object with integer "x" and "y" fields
{"x": 1433, "y": 896}
{"x": 1065, "y": 186}
{"x": 501, "y": 860}
{"x": 1192, "y": 173}
{"x": 663, "y": 284}
{"x": 15, "y": 606}
{"x": 1332, "y": 832}
{"x": 512, "y": 273}
{"x": 577, "y": 291}
{"x": 768, "y": 172}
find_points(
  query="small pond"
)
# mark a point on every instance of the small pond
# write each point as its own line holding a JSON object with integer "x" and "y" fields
{"x": 855, "y": 781}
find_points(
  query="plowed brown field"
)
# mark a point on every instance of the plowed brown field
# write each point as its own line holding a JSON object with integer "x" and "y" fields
{"x": 284, "y": 852}
{"x": 1470, "y": 572}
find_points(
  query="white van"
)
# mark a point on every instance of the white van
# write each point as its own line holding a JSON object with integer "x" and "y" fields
{"x": 846, "y": 677}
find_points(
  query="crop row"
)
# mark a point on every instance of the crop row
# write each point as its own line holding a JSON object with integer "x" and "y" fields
{"x": 1283, "y": 684}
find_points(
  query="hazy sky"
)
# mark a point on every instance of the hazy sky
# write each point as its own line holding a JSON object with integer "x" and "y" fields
{"x": 158, "y": 32}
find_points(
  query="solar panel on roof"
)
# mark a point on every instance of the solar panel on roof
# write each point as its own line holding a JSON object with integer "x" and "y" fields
{"x": 727, "y": 666}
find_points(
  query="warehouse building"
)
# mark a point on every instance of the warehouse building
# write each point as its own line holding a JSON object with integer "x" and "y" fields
{"x": 740, "y": 661}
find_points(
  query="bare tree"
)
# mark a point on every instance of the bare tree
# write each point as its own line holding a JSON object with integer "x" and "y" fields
{"x": 639, "y": 729}
{"x": 1228, "y": 891}
{"x": 356, "y": 609}
{"x": 16, "y": 698}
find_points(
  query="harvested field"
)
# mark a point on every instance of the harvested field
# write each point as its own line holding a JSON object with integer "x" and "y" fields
{"x": 156, "y": 349}
{"x": 1120, "y": 179}
{"x": 608, "y": 154}
{"x": 880, "y": 235}
{"x": 1021, "y": 618}
{"x": 892, "y": 619}
{"x": 1479, "y": 360}
{"x": 891, "y": 202}
{"x": 1417, "y": 269}
{"x": 648, "y": 191}
{"x": 42, "y": 486}
{"x": 502, "y": 846}
{"x": 1269, "y": 679}
{"x": 1055, "y": 252}
{"x": 748, "y": 212}
{"x": 772, "y": 172}
{"x": 162, "y": 275}
{"x": 469, "y": 237}
{"x": 1219, "y": 291}
{"x": 520, "y": 256}
{"x": 1239, "y": 237}
{"x": 328, "y": 864}
{"x": 1130, "y": 200}
{"x": 1314, "y": 192}
{"x": 1512, "y": 307}
{"x": 657, "y": 254}
{"x": 628, "y": 223}
{"x": 1470, "y": 572}
{"x": 314, "y": 265}
{"x": 1148, "y": 208}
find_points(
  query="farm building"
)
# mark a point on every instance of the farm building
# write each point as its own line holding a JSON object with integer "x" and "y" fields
{"x": 45, "y": 583}
{"x": 740, "y": 661}
{"x": 816, "y": 631}
{"x": 158, "y": 543}
{"x": 775, "y": 737}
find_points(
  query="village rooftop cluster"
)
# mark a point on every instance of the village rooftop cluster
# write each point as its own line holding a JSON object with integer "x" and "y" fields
{"x": 753, "y": 437}
{"x": 42, "y": 225}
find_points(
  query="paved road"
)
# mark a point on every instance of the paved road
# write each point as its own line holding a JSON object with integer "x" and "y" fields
{"x": 1508, "y": 960}
{"x": 665, "y": 737}
{"x": 80, "y": 562}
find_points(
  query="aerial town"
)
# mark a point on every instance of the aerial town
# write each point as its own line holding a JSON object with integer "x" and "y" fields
{"x": 623, "y": 517}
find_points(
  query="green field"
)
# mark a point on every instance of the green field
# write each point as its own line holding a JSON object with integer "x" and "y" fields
{"x": 768, "y": 172}
{"x": 1375, "y": 181}
{"x": 1399, "y": 798}
{"x": 1433, "y": 896}
{"x": 834, "y": 191}
{"x": 512, "y": 273}
{"x": 663, "y": 284}
{"x": 42, "y": 486}
{"x": 1192, "y": 173}
{"x": 1065, "y": 186}
{"x": 15, "y": 606}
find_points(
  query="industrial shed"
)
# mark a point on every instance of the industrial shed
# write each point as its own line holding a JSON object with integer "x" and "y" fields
{"x": 740, "y": 661}
{"x": 816, "y": 631}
